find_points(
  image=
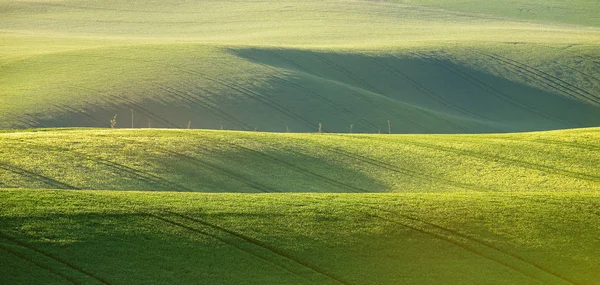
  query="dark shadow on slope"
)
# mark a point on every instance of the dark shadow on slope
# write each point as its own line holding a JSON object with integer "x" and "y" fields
{"x": 353, "y": 82}
{"x": 344, "y": 92}
{"x": 125, "y": 164}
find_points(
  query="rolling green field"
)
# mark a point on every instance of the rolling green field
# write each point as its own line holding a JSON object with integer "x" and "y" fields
{"x": 501, "y": 209}
{"x": 427, "y": 66}
{"x": 113, "y": 237}
{"x": 225, "y": 161}
{"x": 251, "y": 146}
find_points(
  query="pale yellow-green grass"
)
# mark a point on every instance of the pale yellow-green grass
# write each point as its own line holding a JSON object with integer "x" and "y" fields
{"x": 216, "y": 161}
{"x": 448, "y": 69}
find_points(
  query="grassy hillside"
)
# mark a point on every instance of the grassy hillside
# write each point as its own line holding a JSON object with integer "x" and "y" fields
{"x": 427, "y": 66}
{"x": 95, "y": 237}
{"x": 216, "y": 161}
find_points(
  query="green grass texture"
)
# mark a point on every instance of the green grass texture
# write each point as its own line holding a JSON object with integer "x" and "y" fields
{"x": 115, "y": 237}
{"x": 426, "y": 66}
{"x": 227, "y": 161}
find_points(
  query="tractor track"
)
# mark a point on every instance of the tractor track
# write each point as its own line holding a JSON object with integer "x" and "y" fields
{"x": 247, "y": 240}
{"x": 58, "y": 259}
{"x": 439, "y": 231}
{"x": 145, "y": 177}
{"x": 36, "y": 177}
{"x": 403, "y": 171}
{"x": 509, "y": 161}
{"x": 230, "y": 85}
{"x": 314, "y": 93}
{"x": 38, "y": 264}
{"x": 426, "y": 91}
{"x": 198, "y": 101}
{"x": 490, "y": 89}
{"x": 347, "y": 87}
{"x": 550, "y": 80}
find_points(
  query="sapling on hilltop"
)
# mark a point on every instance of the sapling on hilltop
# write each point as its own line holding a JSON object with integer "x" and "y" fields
{"x": 113, "y": 122}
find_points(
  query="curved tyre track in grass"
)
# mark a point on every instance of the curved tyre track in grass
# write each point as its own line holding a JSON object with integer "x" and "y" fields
{"x": 306, "y": 90}
{"x": 491, "y": 90}
{"x": 404, "y": 171}
{"x": 364, "y": 83}
{"x": 510, "y": 161}
{"x": 38, "y": 264}
{"x": 36, "y": 177}
{"x": 110, "y": 99}
{"x": 247, "y": 240}
{"x": 443, "y": 233}
{"x": 118, "y": 168}
{"x": 230, "y": 85}
{"x": 550, "y": 80}
{"x": 301, "y": 170}
{"x": 199, "y": 102}
{"x": 56, "y": 258}
{"x": 426, "y": 91}
{"x": 349, "y": 88}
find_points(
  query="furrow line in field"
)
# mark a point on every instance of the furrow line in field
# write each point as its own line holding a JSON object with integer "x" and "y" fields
{"x": 347, "y": 73}
{"x": 38, "y": 264}
{"x": 308, "y": 91}
{"x": 233, "y": 86}
{"x": 293, "y": 63}
{"x": 383, "y": 107}
{"x": 328, "y": 101}
{"x": 120, "y": 168}
{"x": 443, "y": 233}
{"x": 403, "y": 171}
{"x": 552, "y": 81}
{"x": 126, "y": 101}
{"x": 426, "y": 91}
{"x": 265, "y": 246}
{"x": 226, "y": 241}
{"x": 70, "y": 265}
{"x": 221, "y": 170}
{"x": 138, "y": 108}
{"x": 198, "y": 101}
{"x": 75, "y": 111}
{"x": 455, "y": 243}
{"x": 583, "y": 73}
{"x": 492, "y": 90}
{"x": 256, "y": 96}
{"x": 510, "y": 161}
{"x": 300, "y": 169}
{"x": 35, "y": 176}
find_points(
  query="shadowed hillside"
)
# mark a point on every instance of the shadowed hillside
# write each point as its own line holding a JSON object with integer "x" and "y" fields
{"x": 426, "y": 67}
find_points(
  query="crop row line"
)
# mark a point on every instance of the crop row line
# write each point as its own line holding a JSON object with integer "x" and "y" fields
{"x": 386, "y": 108}
{"x": 56, "y": 258}
{"x": 38, "y": 264}
{"x": 285, "y": 260}
{"x": 489, "y": 89}
{"x": 485, "y": 250}
{"x": 524, "y": 164}
{"x": 550, "y": 80}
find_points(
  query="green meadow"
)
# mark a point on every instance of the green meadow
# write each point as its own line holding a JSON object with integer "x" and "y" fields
{"x": 426, "y": 66}
{"x": 299, "y": 142}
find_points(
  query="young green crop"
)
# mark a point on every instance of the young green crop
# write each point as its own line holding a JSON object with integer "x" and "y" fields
{"x": 298, "y": 63}
{"x": 226, "y": 161}
{"x": 155, "y": 238}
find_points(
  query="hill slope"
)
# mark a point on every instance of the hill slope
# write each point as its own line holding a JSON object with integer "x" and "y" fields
{"x": 427, "y": 67}
{"x": 217, "y": 161}
{"x": 95, "y": 237}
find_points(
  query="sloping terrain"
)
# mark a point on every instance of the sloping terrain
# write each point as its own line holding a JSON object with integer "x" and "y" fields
{"x": 273, "y": 66}
{"x": 107, "y": 237}
{"x": 217, "y": 161}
